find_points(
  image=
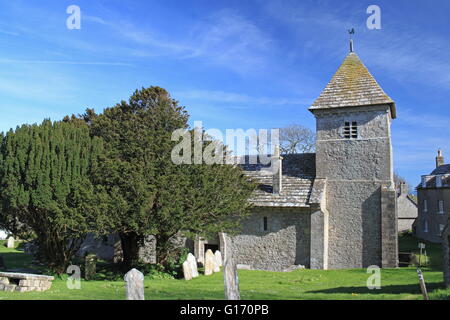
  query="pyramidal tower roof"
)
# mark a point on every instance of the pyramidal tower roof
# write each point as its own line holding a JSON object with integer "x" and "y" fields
{"x": 351, "y": 86}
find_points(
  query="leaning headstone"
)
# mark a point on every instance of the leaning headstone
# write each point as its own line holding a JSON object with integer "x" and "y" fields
{"x": 218, "y": 256}
{"x": 230, "y": 275}
{"x": 90, "y": 266}
{"x": 193, "y": 263}
{"x": 10, "y": 243}
{"x": 134, "y": 285}
{"x": 187, "y": 270}
{"x": 210, "y": 262}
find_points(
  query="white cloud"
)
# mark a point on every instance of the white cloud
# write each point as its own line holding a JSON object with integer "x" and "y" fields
{"x": 97, "y": 63}
{"x": 238, "y": 98}
{"x": 225, "y": 38}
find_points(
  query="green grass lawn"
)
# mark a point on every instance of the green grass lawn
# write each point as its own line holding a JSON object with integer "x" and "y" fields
{"x": 401, "y": 283}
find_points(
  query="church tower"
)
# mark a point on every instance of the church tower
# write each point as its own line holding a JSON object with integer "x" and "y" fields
{"x": 354, "y": 158}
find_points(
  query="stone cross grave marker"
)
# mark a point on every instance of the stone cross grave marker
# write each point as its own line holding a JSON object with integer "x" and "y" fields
{"x": 193, "y": 263}
{"x": 134, "y": 285}
{"x": 210, "y": 262}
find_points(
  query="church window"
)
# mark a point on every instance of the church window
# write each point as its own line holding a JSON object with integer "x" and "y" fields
{"x": 350, "y": 130}
{"x": 441, "y": 206}
{"x": 425, "y": 206}
{"x": 265, "y": 226}
{"x": 425, "y": 226}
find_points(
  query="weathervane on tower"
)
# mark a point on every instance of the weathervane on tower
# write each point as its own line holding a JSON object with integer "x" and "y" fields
{"x": 351, "y": 32}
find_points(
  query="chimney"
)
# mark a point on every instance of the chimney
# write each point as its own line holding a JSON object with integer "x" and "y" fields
{"x": 439, "y": 159}
{"x": 403, "y": 188}
{"x": 277, "y": 171}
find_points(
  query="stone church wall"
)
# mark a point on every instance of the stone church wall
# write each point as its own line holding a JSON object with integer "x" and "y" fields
{"x": 285, "y": 243}
{"x": 355, "y": 170}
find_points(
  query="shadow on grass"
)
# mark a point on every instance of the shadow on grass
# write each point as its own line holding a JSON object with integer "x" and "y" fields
{"x": 389, "y": 289}
{"x": 409, "y": 243}
{"x": 18, "y": 261}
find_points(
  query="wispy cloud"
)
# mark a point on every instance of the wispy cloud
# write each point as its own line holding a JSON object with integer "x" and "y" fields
{"x": 226, "y": 38}
{"x": 230, "y": 39}
{"x": 97, "y": 63}
{"x": 238, "y": 98}
{"x": 10, "y": 33}
{"x": 425, "y": 120}
{"x": 405, "y": 53}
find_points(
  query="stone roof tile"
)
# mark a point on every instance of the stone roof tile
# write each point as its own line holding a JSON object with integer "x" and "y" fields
{"x": 297, "y": 179}
{"x": 352, "y": 85}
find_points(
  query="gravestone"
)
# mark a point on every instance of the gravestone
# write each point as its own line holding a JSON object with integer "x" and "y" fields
{"x": 134, "y": 285}
{"x": 230, "y": 275}
{"x": 90, "y": 266}
{"x": 216, "y": 262}
{"x": 210, "y": 262}
{"x": 218, "y": 256}
{"x": 187, "y": 270}
{"x": 10, "y": 243}
{"x": 193, "y": 263}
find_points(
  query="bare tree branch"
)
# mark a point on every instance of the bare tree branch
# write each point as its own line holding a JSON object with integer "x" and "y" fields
{"x": 296, "y": 138}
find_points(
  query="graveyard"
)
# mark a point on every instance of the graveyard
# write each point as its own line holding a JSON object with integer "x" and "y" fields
{"x": 304, "y": 284}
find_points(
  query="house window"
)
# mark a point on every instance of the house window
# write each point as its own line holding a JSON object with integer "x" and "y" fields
{"x": 350, "y": 130}
{"x": 438, "y": 181}
{"x": 441, "y": 206}
{"x": 424, "y": 182}
{"x": 425, "y": 206}
{"x": 265, "y": 226}
{"x": 425, "y": 226}
{"x": 441, "y": 229}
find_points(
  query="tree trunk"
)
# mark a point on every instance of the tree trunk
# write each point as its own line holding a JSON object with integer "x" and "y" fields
{"x": 163, "y": 247}
{"x": 130, "y": 249}
{"x": 57, "y": 252}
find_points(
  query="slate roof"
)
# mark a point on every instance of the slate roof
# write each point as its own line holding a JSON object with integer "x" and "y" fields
{"x": 444, "y": 169}
{"x": 298, "y": 173}
{"x": 445, "y": 179}
{"x": 352, "y": 85}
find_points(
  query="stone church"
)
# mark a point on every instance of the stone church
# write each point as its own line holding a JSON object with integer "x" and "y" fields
{"x": 332, "y": 209}
{"x": 335, "y": 208}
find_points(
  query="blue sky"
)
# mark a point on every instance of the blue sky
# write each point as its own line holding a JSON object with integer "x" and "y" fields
{"x": 233, "y": 64}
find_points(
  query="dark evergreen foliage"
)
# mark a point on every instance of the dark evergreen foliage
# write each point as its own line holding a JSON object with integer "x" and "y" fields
{"x": 45, "y": 186}
{"x": 150, "y": 195}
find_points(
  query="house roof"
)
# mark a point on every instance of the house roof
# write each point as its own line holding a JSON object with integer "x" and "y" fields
{"x": 444, "y": 169}
{"x": 352, "y": 85}
{"x": 298, "y": 173}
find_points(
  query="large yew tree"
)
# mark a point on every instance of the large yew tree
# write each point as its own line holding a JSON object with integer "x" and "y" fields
{"x": 45, "y": 186}
{"x": 147, "y": 193}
